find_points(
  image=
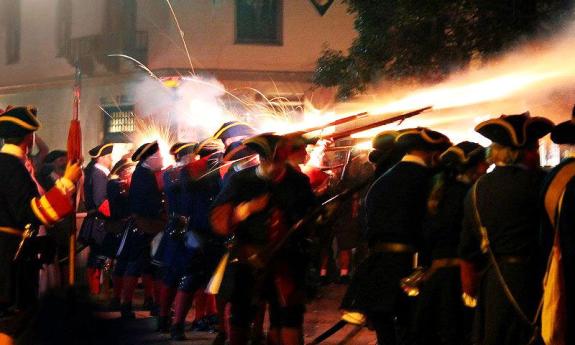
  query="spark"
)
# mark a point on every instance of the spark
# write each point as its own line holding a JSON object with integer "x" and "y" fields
{"x": 181, "y": 32}
{"x": 148, "y": 131}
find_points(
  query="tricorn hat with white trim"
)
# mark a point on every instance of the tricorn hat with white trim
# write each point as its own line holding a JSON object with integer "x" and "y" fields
{"x": 422, "y": 138}
{"x": 462, "y": 155}
{"x": 517, "y": 131}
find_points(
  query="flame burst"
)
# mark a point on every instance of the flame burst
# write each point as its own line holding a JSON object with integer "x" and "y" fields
{"x": 148, "y": 130}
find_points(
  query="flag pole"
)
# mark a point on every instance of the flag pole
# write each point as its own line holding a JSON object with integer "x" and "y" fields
{"x": 74, "y": 154}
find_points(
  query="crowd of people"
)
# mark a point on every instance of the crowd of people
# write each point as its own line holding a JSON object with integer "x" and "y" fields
{"x": 464, "y": 244}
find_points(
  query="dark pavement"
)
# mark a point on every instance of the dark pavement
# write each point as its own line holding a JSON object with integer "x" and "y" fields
{"x": 321, "y": 314}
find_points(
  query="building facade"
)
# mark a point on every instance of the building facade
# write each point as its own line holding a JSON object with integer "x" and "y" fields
{"x": 267, "y": 45}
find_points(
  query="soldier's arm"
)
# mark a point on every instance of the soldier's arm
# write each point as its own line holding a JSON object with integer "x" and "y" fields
{"x": 30, "y": 208}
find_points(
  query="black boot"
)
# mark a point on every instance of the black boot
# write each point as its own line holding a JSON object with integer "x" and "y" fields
{"x": 114, "y": 304}
{"x": 220, "y": 338}
{"x": 177, "y": 332}
{"x": 126, "y": 312}
{"x": 164, "y": 323}
{"x": 148, "y": 303}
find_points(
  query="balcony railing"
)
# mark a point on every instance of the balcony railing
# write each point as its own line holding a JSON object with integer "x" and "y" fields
{"x": 89, "y": 50}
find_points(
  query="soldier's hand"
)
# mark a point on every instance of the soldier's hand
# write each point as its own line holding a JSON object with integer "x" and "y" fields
{"x": 73, "y": 172}
{"x": 258, "y": 204}
{"x": 245, "y": 209}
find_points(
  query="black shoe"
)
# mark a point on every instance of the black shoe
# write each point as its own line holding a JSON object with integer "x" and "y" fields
{"x": 155, "y": 310}
{"x": 177, "y": 332}
{"x": 323, "y": 280}
{"x": 164, "y": 323}
{"x": 220, "y": 339}
{"x": 201, "y": 325}
{"x": 126, "y": 312}
{"x": 114, "y": 304}
{"x": 148, "y": 304}
{"x": 343, "y": 279}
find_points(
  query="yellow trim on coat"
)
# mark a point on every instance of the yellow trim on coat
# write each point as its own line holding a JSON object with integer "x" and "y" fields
{"x": 38, "y": 213}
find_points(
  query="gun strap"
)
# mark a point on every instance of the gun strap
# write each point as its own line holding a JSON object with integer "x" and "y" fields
{"x": 556, "y": 189}
{"x": 486, "y": 249}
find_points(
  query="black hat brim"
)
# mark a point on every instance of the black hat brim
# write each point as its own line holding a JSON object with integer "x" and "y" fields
{"x": 564, "y": 133}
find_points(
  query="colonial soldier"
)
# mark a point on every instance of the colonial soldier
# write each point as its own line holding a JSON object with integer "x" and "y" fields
{"x": 385, "y": 153}
{"x": 202, "y": 250}
{"x": 147, "y": 210}
{"x": 395, "y": 207}
{"x": 92, "y": 232}
{"x": 235, "y": 158}
{"x": 23, "y": 210}
{"x": 558, "y": 317}
{"x": 171, "y": 248}
{"x": 258, "y": 205}
{"x": 440, "y": 316}
{"x": 118, "y": 224}
{"x": 501, "y": 219}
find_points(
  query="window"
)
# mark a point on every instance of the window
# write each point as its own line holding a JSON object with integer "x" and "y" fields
{"x": 259, "y": 22}
{"x": 12, "y": 21}
{"x": 119, "y": 123}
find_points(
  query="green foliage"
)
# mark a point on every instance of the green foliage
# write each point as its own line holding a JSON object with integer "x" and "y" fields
{"x": 428, "y": 39}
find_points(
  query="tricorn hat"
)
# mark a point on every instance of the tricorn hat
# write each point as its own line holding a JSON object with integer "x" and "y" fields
{"x": 122, "y": 164}
{"x": 383, "y": 144}
{"x": 462, "y": 155}
{"x": 16, "y": 122}
{"x": 422, "y": 138}
{"x": 564, "y": 133}
{"x": 517, "y": 131}
{"x": 264, "y": 144}
{"x": 237, "y": 151}
{"x": 234, "y": 129}
{"x": 179, "y": 150}
{"x": 208, "y": 146}
{"x": 101, "y": 150}
{"x": 145, "y": 151}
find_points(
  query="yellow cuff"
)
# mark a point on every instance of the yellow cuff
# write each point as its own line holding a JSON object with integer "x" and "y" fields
{"x": 65, "y": 185}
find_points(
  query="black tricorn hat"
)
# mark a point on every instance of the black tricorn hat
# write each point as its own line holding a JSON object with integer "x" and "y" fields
{"x": 237, "y": 151}
{"x": 462, "y": 155}
{"x": 264, "y": 144}
{"x": 383, "y": 144}
{"x": 564, "y": 133}
{"x": 208, "y": 146}
{"x": 517, "y": 131}
{"x": 145, "y": 151}
{"x": 422, "y": 138}
{"x": 179, "y": 150}
{"x": 17, "y": 122}
{"x": 234, "y": 129}
{"x": 122, "y": 164}
{"x": 101, "y": 150}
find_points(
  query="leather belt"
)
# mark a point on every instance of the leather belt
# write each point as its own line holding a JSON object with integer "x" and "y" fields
{"x": 391, "y": 247}
{"x": 444, "y": 262}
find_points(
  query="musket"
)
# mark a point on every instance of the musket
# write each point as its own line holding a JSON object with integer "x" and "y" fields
{"x": 358, "y": 123}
